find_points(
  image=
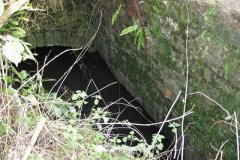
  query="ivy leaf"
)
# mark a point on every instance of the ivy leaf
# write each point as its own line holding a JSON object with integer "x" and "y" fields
{"x": 13, "y": 52}
{"x": 129, "y": 30}
{"x": 1, "y": 7}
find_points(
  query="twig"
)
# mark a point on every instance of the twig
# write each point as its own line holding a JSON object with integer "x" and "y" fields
{"x": 186, "y": 85}
{"x": 150, "y": 124}
{"x": 165, "y": 120}
{"x": 65, "y": 75}
{"x": 236, "y": 126}
{"x": 220, "y": 150}
{"x": 206, "y": 96}
{"x": 34, "y": 138}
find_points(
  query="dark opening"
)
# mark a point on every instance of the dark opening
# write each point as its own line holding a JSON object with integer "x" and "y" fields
{"x": 92, "y": 67}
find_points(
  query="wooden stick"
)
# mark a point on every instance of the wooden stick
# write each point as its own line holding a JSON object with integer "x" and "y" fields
{"x": 34, "y": 137}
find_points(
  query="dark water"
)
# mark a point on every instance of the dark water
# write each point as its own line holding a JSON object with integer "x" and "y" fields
{"x": 92, "y": 67}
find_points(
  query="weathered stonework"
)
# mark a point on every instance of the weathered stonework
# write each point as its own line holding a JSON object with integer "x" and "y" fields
{"x": 157, "y": 74}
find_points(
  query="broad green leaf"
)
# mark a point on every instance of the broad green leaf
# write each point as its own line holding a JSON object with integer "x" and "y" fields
{"x": 115, "y": 15}
{"x": 18, "y": 32}
{"x": 13, "y": 22}
{"x": 2, "y": 29}
{"x": 9, "y": 79}
{"x": 24, "y": 19}
{"x": 75, "y": 97}
{"x": 13, "y": 69}
{"x": 13, "y": 52}
{"x": 129, "y": 30}
{"x": 29, "y": 52}
{"x": 160, "y": 146}
{"x": 1, "y": 7}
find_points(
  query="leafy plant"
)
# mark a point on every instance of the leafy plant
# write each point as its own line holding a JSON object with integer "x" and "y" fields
{"x": 138, "y": 36}
{"x": 78, "y": 97}
{"x": 136, "y": 29}
{"x": 72, "y": 136}
{"x": 174, "y": 126}
{"x": 158, "y": 141}
{"x": 97, "y": 99}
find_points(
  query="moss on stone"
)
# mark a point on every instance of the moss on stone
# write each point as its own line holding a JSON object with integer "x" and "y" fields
{"x": 213, "y": 55}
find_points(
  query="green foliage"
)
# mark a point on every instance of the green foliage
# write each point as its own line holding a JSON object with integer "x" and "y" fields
{"x": 138, "y": 34}
{"x": 13, "y": 48}
{"x": 72, "y": 136}
{"x": 139, "y": 38}
{"x": 129, "y": 30}
{"x": 78, "y": 97}
{"x": 97, "y": 99}
{"x": 115, "y": 15}
{"x": 158, "y": 141}
{"x": 174, "y": 126}
{"x": 64, "y": 134}
{"x": 138, "y": 31}
{"x": 209, "y": 16}
{"x": 99, "y": 114}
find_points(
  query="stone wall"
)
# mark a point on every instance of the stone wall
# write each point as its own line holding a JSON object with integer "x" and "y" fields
{"x": 65, "y": 25}
{"x": 157, "y": 72}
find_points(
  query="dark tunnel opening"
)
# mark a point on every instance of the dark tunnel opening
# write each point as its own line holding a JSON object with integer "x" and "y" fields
{"x": 91, "y": 74}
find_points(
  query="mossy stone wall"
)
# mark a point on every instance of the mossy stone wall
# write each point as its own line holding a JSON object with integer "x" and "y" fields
{"x": 157, "y": 73}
